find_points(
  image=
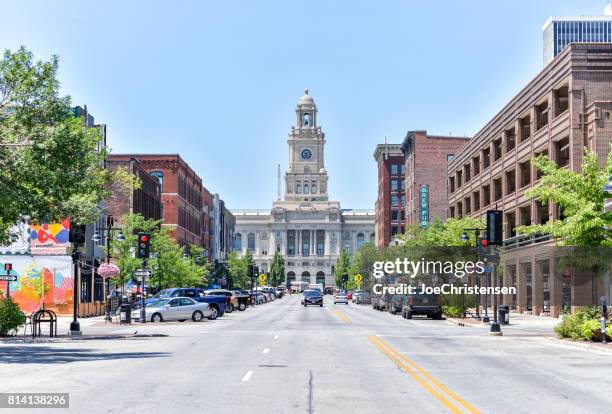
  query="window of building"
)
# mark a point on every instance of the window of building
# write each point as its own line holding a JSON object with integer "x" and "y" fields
{"x": 525, "y": 215}
{"x": 542, "y": 115}
{"x": 451, "y": 212}
{"x": 497, "y": 149}
{"x": 394, "y": 215}
{"x": 561, "y": 97}
{"x": 251, "y": 242}
{"x": 497, "y": 189}
{"x": 459, "y": 210}
{"x": 298, "y": 188}
{"x": 394, "y": 230}
{"x": 305, "y": 242}
{"x": 313, "y": 188}
{"x": 306, "y": 187}
{"x": 459, "y": 179}
{"x": 360, "y": 240}
{"x": 468, "y": 173}
{"x": 467, "y": 206}
{"x": 403, "y": 215}
{"x": 562, "y": 152}
{"x": 402, "y": 185}
{"x": 238, "y": 242}
{"x": 476, "y": 197}
{"x": 525, "y": 171}
{"x": 402, "y": 169}
{"x": 525, "y": 127}
{"x": 486, "y": 157}
{"x": 542, "y": 213}
{"x": 486, "y": 195}
{"x": 291, "y": 242}
{"x": 510, "y": 224}
{"x": 320, "y": 235}
{"x": 394, "y": 184}
{"x": 449, "y": 157}
{"x": 451, "y": 184}
{"x": 510, "y": 182}
{"x": 510, "y": 139}
{"x": 160, "y": 177}
{"x": 394, "y": 200}
{"x": 476, "y": 165}
{"x": 403, "y": 198}
{"x": 394, "y": 169}
{"x": 538, "y": 172}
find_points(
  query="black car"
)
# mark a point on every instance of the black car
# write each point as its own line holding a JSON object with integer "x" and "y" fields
{"x": 313, "y": 297}
{"x": 422, "y": 304}
{"x": 328, "y": 290}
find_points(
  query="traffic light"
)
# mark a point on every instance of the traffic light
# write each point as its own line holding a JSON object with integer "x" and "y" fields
{"x": 144, "y": 244}
{"x": 76, "y": 234}
{"x": 8, "y": 267}
{"x": 494, "y": 228}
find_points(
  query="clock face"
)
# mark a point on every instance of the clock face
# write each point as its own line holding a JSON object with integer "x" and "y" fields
{"x": 306, "y": 154}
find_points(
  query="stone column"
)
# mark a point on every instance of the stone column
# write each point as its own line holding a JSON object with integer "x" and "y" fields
{"x": 326, "y": 245}
{"x": 521, "y": 287}
{"x": 555, "y": 286}
{"x": 272, "y": 242}
{"x": 537, "y": 287}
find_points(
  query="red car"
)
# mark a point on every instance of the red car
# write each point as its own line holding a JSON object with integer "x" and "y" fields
{"x": 349, "y": 295}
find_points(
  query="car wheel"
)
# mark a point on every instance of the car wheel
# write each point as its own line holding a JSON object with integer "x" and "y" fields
{"x": 156, "y": 317}
{"x": 197, "y": 316}
{"x": 214, "y": 313}
{"x": 182, "y": 320}
{"x": 409, "y": 315}
{"x": 321, "y": 305}
{"x": 241, "y": 306}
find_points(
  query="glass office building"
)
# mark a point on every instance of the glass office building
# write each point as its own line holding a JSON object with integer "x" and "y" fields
{"x": 560, "y": 31}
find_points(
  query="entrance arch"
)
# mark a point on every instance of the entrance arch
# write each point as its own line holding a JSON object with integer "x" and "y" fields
{"x": 321, "y": 278}
{"x": 306, "y": 276}
{"x": 290, "y": 278}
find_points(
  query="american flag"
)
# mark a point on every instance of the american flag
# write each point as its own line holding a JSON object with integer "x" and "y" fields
{"x": 64, "y": 292}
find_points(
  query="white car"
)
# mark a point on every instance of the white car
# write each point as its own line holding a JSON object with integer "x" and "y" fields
{"x": 174, "y": 309}
{"x": 340, "y": 298}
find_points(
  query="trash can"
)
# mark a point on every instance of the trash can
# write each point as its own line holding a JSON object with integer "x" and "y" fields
{"x": 126, "y": 313}
{"x": 503, "y": 314}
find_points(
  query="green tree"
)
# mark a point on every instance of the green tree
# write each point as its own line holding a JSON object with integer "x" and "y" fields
{"x": 342, "y": 268}
{"x": 581, "y": 198}
{"x": 277, "y": 269}
{"x": 238, "y": 270}
{"x": 50, "y": 165}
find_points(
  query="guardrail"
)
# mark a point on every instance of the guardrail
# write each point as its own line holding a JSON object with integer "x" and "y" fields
{"x": 526, "y": 240}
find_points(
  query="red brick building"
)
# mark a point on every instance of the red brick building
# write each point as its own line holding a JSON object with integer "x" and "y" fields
{"x": 390, "y": 215}
{"x": 426, "y": 159}
{"x": 181, "y": 194}
{"x": 145, "y": 200}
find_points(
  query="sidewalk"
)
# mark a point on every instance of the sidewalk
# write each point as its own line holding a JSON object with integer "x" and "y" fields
{"x": 531, "y": 326}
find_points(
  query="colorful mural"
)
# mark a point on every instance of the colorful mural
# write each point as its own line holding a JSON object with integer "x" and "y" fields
{"x": 52, "y": 280}
{"x": 50, "y": 238}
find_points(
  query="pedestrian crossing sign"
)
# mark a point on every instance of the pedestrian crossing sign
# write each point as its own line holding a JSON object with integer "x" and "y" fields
{"x": 358, "y": 278}
{"x": 262, "y": 279}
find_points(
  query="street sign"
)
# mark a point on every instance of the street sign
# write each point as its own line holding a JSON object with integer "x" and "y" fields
{"x": 10, "y": 278}
{"x": 262, "y": 279}
{"x": 488, "y": 269}
{"x": 141, "y": 273}
{"x": 358, "y": 278}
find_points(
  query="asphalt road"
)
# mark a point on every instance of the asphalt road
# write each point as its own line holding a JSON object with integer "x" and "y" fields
{"x": 284, "y": 358}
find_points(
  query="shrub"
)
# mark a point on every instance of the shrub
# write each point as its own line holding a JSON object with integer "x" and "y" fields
{"x": 452, "y": 311}
{"x": 588, "y": 328}
{"x": 584, "y": 324}
{"x": 10, "y": 316}
{"x": 569, "y": 327}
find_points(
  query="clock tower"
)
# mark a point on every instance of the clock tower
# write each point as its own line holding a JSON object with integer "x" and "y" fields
{"x": 306, "y": 177}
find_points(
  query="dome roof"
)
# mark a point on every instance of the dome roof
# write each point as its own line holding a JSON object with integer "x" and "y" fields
{"x": 306, "y": 99}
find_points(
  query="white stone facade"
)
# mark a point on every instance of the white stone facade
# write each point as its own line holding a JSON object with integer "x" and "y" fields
{"x": 307, "y": 228}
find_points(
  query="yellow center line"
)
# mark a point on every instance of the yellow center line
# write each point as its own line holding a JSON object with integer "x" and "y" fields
{"x": 399, "y": 359}
{"x": 342, "y": 316}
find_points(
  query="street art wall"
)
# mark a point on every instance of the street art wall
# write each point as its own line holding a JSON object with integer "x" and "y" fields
{"x": 41, "y": 279}
{"x": 50, "y": 238}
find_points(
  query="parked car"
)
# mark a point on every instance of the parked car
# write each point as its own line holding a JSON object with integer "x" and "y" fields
{"x": 175, "y": 309}
{"x": 312, "y": 297}
{"x": 349, "y": 295}
{"x": 244, "y": 299}
{"x": 381, "y": 302}
{"x": 422, "y": 304}
{"x": 340, "y": 298}
{"x": 232, "y": 304}
{"x": 328, "y": 290}
{"x": 218, "y": 303}
{"x": 258, "y": 298}
{"x": 355, "y": 294}
{"x": 363, "y": 298}
{"x": 396, "y": 304}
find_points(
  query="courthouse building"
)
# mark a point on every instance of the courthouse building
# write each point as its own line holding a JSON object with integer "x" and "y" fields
{"x": 306, "y": 227}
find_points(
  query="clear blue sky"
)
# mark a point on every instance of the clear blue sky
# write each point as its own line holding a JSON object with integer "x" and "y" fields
{"x": 218, "y": 81}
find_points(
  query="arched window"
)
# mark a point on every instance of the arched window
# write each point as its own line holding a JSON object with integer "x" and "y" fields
{"x": 298, "y": 188}
{"x": 306, "y": 276}
{"x": 360, "y": 240}
{"x": 238, "y": 242}
{"x": 160, "y": 177}
{"x": 251, "y": 242}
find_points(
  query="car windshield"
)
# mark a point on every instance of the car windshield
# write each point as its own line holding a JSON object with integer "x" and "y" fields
{"x": 157, "y": 303}
{"x": 312, "y": 293}
{"x": 164, "y": 293}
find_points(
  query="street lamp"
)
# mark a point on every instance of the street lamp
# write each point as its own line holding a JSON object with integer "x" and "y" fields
{"x": 106, "y": 234}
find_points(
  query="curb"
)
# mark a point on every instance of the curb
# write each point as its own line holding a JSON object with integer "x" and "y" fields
{"x": 587, "y": 346}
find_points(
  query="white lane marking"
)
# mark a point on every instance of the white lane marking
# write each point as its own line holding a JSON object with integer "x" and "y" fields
{"x": 275, "y": 336}
{"x": 247, "y": 376}
{"x": 265, "y": 351}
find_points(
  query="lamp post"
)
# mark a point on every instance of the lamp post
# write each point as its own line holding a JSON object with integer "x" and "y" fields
{"x": 465, "y": 237}
{"x": 108, "y": 232}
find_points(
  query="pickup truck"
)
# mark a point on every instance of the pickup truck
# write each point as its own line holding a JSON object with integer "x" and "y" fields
{"x": 218, "y": 303}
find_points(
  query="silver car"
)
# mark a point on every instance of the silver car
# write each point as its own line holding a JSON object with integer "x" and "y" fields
{"x": 340, "y": 298}
{"x": 175, "y": 309}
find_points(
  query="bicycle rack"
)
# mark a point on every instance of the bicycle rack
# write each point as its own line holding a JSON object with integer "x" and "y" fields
{"x": 44, "y": 316}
